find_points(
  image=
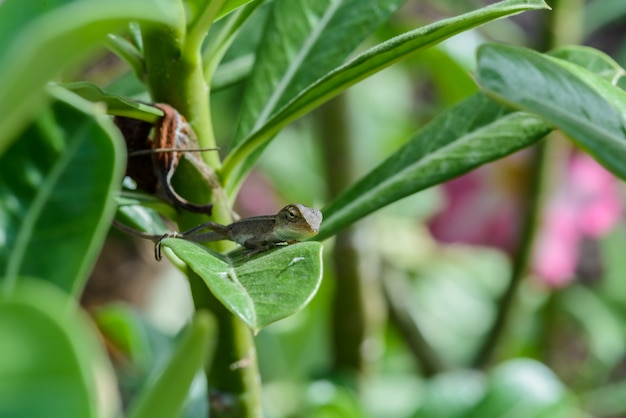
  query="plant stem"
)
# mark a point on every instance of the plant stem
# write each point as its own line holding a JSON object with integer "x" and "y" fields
{"x": 175, "y": 77}
{"x": 397, "y": 291}
{"x": 351, "y": 309}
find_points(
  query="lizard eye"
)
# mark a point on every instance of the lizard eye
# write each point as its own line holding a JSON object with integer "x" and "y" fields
{"x": 291, "y": 216}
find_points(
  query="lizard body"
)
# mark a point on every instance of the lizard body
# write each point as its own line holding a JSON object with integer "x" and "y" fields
{"x": 293, "y": 223}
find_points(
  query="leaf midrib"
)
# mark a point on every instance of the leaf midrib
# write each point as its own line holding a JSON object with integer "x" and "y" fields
{"x": 295, "y": 65}
{"x": 33, "y": 214}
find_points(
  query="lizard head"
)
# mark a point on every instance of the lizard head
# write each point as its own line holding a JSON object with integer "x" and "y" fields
{"x": 297, "y": 222}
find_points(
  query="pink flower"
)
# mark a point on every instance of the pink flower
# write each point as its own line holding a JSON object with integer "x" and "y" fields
{"x": 586, "y": 204}
{"x": 484, "y": 208}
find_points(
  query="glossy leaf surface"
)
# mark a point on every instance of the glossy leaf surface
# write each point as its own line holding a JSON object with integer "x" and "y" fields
{"x": 476, "y": 131}
{"x": 586, "y": 107}
{"x": 261, "y": 289}
{"x": 364, "y": 65}
{"x": 57, "y": 194}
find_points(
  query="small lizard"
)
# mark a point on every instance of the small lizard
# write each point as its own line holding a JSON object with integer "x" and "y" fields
{"x": 259, "y": 233}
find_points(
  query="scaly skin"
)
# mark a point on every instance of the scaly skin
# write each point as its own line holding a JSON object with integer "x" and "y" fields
{"x": 293, "y": 223}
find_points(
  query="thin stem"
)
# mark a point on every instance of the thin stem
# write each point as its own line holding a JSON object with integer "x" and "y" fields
{"x": 396, "y": 291}
{"x": 522, "y": 256}
{"x": 356, "y": 291}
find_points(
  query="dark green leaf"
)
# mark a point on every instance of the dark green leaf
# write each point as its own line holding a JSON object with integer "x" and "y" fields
{"x": 57, "y": 191}
{"x": 116, "y": 105}
{"x": 476, "y": 131}
{"x": 261, "y": 289}
{"x": 51, "y": 362}
{"x": 370, "y": 62}
{"x": 39, "y": 39}
{"x": 589, "y": 109}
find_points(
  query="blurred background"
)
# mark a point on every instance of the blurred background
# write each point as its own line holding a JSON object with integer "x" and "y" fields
{"x": 409, "y": 320}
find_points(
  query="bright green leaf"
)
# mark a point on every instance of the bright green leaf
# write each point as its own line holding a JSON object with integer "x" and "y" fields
{"x": 229, "y": 6}
{"x": 57, "y": 191}
{"x": 39, "y": 39}
{"x": 370, "y": 62}
{"x": 116, "y": 105}
{"x": 51, "y": 362}
{"x": 593, "y": 60}
{"x": 261, "y": 289}
{"x": 589, "y": 109}
{"x": 474, "y": 132}
{"x": 164, "y": 398}
{"x": 149, "y": 350}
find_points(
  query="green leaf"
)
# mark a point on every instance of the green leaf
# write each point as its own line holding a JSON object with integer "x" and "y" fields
{"x": 57, "y": 190}
{"x": 229, "y": 6}
{"x": 593, "y": 60}
{"x": 51, "y": 364}
{"x": 39, "y": 39}
{"x": 302, "y": 41}
{"x": 116, "y": 105}
{"x": 262, "y": 289}
{"x": 370, "y": 62}
{"x": 474, "y": 132}
{"x": 149, "y": 350}
{"x": 165, "y": 397}
{"x": 589, "y": 109}
{"x": 525, "y": 388}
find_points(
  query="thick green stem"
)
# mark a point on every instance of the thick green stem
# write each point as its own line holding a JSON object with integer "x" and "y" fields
{"x": 351, "y": 309}
{"x": 175, "y": 76}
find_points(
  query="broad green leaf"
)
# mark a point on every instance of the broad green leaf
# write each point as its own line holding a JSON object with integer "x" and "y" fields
{"x": 474, "y": 132}
{"x": 51, "y": 362}
{"x": 261, "y": 289}
{"x": 149, "y": 350}
{"x": 57, "y": 194}
{"x": 525, "y": 388}
{"x": 164, "y": 398}
{"x": 593, "y": 60}
{"x": 302, "y": 41}
{"x": 116, "y": 105}
{"x": 589, "y": 109}
{"x": 38, "y": 39}
{"x": 369, "y": 62}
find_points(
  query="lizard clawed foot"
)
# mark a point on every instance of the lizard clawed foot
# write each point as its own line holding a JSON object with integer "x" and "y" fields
{"x": 157, "y": 245}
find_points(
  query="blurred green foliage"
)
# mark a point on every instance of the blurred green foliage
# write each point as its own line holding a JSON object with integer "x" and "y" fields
{"x": 413, "y": 314}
